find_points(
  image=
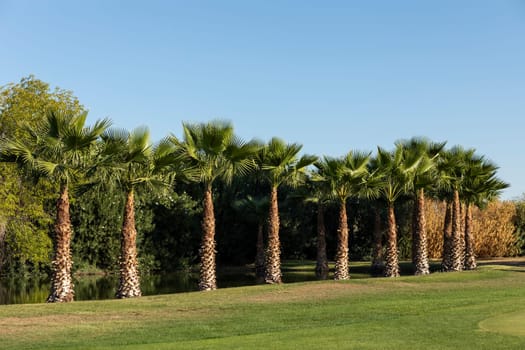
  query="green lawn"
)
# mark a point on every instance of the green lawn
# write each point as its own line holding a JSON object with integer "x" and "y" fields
{"x": 484, "y": 309}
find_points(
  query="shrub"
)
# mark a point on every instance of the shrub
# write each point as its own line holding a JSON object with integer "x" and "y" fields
{"x": 494, "y": 229}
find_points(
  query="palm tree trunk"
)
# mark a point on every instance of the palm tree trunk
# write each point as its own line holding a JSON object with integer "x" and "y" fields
{"x": 341, "y": 258}
{"x": 208, "y": 280}
{"x": 259, "y": 256}
{"x": 62, "y": 288}
{"x": 446, "y": 263}
{"x": 129, "y": 282}
{"x": 321, "y": 268}
{"x": 391, "y": 259}
{"x": 470, "y": 257}
{"x": 273, "y": 253}
{"x": 377, "y": 254}
{"x": 421, "y": 251}
{"x": 458, "y": 247}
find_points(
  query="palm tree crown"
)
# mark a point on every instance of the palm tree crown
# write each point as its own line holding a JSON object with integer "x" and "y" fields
{"x": 211, "y": 151}
{"x": 58, "y": 148}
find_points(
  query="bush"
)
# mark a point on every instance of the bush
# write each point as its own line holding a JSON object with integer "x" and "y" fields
{"x": 494, "y": 229}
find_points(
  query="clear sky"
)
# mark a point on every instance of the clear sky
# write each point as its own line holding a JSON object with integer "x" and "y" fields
{"x": 332, "y": 75}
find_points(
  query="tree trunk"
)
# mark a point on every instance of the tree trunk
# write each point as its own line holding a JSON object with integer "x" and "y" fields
{"x": 129, "y": 282}
{"x": 458, "y": 243}
{"x": 341, "y": 258}
{"x": 259, "y": 257}
{"x": 470, "y": 257}
{"x": 446, "y": 263}
{"x": 62, "y": 288}
{"x": 208, "y": 280}
{"x": 377, "y": 254}
{"x": 321, "y": 268}
{"x": 421, "y": 250}
{"x": 273, "y": 252}
{"x": 391, "y": 259}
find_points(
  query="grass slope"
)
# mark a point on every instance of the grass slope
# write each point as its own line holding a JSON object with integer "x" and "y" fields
{"x": 464, "y": 310}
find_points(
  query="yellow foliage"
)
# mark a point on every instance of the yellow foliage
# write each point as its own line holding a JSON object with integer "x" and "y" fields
{"x": 492, "y": 227}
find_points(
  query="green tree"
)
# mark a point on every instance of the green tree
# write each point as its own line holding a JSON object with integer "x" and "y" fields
{"x": 255, "y": 209}
{"x": 97, "y": 219}
{"x": 24, "y": 214}
{"x": 26, "y": 102}
{"x": 211, "y": 151}
{"x": 58, "y": 149}
{"x": 280, "y": 164}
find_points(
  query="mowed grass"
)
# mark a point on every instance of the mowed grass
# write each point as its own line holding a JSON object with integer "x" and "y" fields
{"x": 468, "y": 310}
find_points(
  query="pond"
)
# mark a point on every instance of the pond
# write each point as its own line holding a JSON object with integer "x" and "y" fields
{"x": 32, "y": 290}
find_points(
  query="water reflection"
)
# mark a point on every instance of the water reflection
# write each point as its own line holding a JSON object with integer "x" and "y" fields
{"x": 35, "y": 290}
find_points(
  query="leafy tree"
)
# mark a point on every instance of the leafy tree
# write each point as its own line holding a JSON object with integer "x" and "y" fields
{"x": 173, "y": 240}
{"x": 256, "y": 209}
{"x": 27, "y": 102}
{"x": 97, "y": 219}
{"x": 208, "y": 152}
{"x": 24, "y": 240}
{"x": 280, "y": 164}
{"x": 25, "y": 215}
{"x": 58, "y": 149}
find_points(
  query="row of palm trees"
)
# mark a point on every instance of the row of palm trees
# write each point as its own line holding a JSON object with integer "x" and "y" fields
{"x": 74, "y": 156}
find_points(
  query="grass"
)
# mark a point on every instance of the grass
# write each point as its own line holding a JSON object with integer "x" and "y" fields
{"x": 484, "y": 309}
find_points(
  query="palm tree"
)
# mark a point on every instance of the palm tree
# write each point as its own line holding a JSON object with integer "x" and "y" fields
{"x": 397, "y": 169}
{"x": 129, "y": 160}
{"x": 480, "y": 185}
{"x": 211, "y": 151}
{"x": 345, "y": 177}
{"x": 318, "y": 194}
{"x": 280, "y": 164}
{"x": 452, "y": 167}
{"x": 256, "y": 209}
{"x": 58, "y": 149}
{"x": 422, "y": 180}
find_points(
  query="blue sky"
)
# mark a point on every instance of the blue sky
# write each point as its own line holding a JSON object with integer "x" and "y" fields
{"x": 332, "y": 75}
